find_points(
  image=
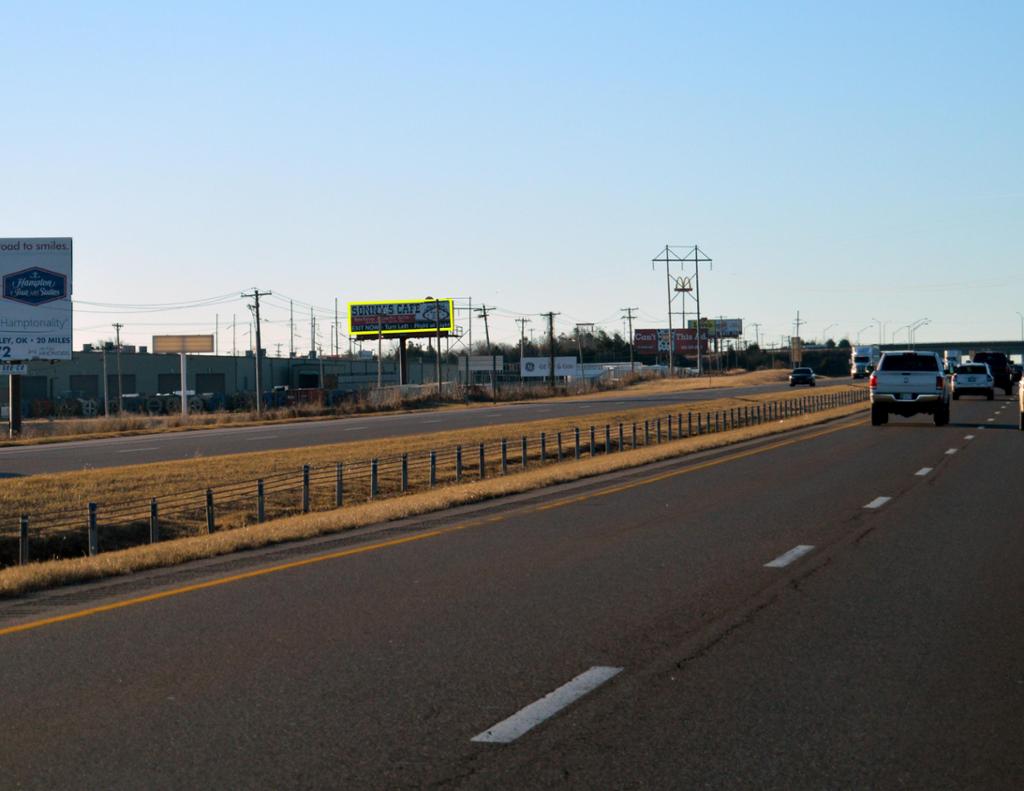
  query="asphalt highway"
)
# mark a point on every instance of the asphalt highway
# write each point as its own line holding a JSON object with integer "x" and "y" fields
{"x": 842, "y": 606}
{"x": 93, "y": 454}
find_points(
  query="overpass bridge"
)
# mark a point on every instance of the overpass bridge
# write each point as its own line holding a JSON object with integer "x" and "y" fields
{"x": 965, "y": 347}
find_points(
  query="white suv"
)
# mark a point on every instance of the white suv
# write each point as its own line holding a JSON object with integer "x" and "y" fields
{"x": 973, "y": 378}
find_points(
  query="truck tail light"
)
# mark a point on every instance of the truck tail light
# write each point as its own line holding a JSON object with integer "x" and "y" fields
{"x": 873, "y": 381}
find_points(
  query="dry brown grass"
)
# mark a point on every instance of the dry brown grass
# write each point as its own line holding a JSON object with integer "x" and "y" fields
{"x": 35, "y": 576}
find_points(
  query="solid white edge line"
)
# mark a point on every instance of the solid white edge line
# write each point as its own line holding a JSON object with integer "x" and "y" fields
{"x": 878, "y": 502}
{"x": 951, "y": 451}
{"x": 923, "y": 471}
{"x": 786, "y": 558}
{"x": 508, "y": 730}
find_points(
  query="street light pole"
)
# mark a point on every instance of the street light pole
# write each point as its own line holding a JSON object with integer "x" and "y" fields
{"x": 824, "y": 332}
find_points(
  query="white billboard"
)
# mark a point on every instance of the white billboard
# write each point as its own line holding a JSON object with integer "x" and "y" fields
{"x": 718, "y": 328}
{"x": 484, "y": 362}
{"x": 541, "y": 366}
{"x": 35, "y": 299}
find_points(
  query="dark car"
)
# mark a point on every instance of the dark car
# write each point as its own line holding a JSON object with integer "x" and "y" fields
{"x": 801, "y": 376}
{"x": 999, "y": 365}
{"x": 1016, "y": 371}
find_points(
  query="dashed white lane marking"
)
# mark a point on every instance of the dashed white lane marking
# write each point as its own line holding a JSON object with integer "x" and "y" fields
{"x": 432, "y": 421}
{"x": 357, "y": 428}
{"x": 990, "y": 419}
{"x": 137, "y": 450}
{"x": 878, "y": 502}
{"x": 260, "y": 437}
{"x": 923, "y": 471}
{"x": 533, "y": 715}
{"x": 951, "y": 451}
{"x": 786, "y": 558}
{"x": 969, "y": 436}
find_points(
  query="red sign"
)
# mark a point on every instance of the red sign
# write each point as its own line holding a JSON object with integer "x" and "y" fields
{"x": 654, "y": 341}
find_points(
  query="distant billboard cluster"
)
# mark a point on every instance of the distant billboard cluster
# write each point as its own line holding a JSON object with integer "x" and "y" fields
{"x": 718, "y": 328}
{"x": 654, "y": 341}
{"x": 416, "y": 317}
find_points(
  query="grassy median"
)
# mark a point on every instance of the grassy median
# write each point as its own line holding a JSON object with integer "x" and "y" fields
{"x": 73, "y": 490}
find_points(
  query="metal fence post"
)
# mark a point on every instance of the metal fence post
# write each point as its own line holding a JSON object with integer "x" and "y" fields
{"x": 94, "y": 532}
{"x": 543, "y": 447}
{"x": 154, "y": 522}
{"x": 373, "y": 478}
{"x": 339, "y": 484}
{"x": 305, "y": 488}
{"x": 483, "y": 463}
{"x": 576, "y": 434}
{"x": 657, "y": 425}
{"x": 209, "y": 510}
{"x": 559, "y": 445}
{"x": 592, "y": 443}
{"x": 621, "y": 439}
{"x": 433, "y": 468}
{"x": 458, "y": 463}
{"x": 647, "y": 433}
{"x": 261, "y": 502}
{"x": 670, "y": 437}
{"x": 23, "y": 541}
{"x": 689, "y": 424}
{"x": 405, "y": 472}
{"x": 718, "y": 424}
{"x": 504, "y": 456}
{"x": 522, "y": 452}
{"x": 632, "y": 443}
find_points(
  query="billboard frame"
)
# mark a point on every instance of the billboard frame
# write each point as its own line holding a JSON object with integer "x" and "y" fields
{"x": 426, "y": 332}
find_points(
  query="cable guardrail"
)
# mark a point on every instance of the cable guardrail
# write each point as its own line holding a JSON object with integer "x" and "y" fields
{"x": 100, "y": 527}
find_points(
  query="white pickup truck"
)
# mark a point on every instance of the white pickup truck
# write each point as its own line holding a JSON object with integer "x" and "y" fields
{"x": 909, "y": 383}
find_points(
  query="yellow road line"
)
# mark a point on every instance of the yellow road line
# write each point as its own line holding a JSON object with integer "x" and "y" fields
{"x": 72, "y": 616}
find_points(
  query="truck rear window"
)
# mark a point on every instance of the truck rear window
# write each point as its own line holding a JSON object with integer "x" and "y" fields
{"x": 909, "y": 362}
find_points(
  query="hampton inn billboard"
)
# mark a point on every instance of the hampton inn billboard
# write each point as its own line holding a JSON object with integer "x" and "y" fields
{"x": 35, "y": 301}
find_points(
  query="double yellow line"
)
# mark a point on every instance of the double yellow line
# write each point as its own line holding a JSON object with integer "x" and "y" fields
{"x": 422, "y": 536}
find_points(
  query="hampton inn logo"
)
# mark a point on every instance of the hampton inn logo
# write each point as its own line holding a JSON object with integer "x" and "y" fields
{"x": 35, "y": 286}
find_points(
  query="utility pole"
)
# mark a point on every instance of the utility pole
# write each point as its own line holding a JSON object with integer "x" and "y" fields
{"x": 696, "y": 256}
{"x": 757, "y": 333}
{"x": 291, "y": 328}
{"x": 120, "y": 392}
{"x": 312, "y": 333}
{"x": 669, "y": 258}
{"x": 797, "y": 324}
{"x": 337, "y": 339}
{"x": 487, "y": 339}
{"x": 106, "y": 393}
{"x": 522, "y": 322}
{"x": 255, "y": 307}
{"x": 551, "y": 344}
{"x": 629, "y": 317}
{"x": 234, "y": 345}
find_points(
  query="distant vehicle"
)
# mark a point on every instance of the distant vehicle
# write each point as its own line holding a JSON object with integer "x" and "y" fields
{"x": 909, "y": 383}
{"x": 863, "y": 360}
{"x": 999, "y": 364}
{"x": 952, "y": 358}
{"x": 801, "y": 376}
{"x": 973, "y": 379}
{"x": 1016, "y": 371}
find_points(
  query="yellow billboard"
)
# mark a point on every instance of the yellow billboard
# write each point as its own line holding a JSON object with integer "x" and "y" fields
{"x": 410, "y": 317}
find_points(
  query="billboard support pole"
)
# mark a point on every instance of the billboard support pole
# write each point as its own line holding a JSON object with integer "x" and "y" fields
{"x": 403, "y": 365}
{"x": 184, "y": 392}
{"x": 14, "y": 404}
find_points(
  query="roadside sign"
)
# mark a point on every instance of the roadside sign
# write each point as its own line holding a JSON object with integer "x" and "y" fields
{"x": 541, "y": 366}
{"x": 414, "y": 318}
{"x": 483, "y": 362}
{"x": 35, "y": 299}
{"x": 14, "y": 368}
{"x": 182, "y": 344}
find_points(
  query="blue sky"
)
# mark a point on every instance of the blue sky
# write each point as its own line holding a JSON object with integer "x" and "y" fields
{"x": 850, "y": 161}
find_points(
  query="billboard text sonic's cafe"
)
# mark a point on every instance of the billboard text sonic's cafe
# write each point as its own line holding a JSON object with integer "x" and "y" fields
{"x": 411, "y": 317}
